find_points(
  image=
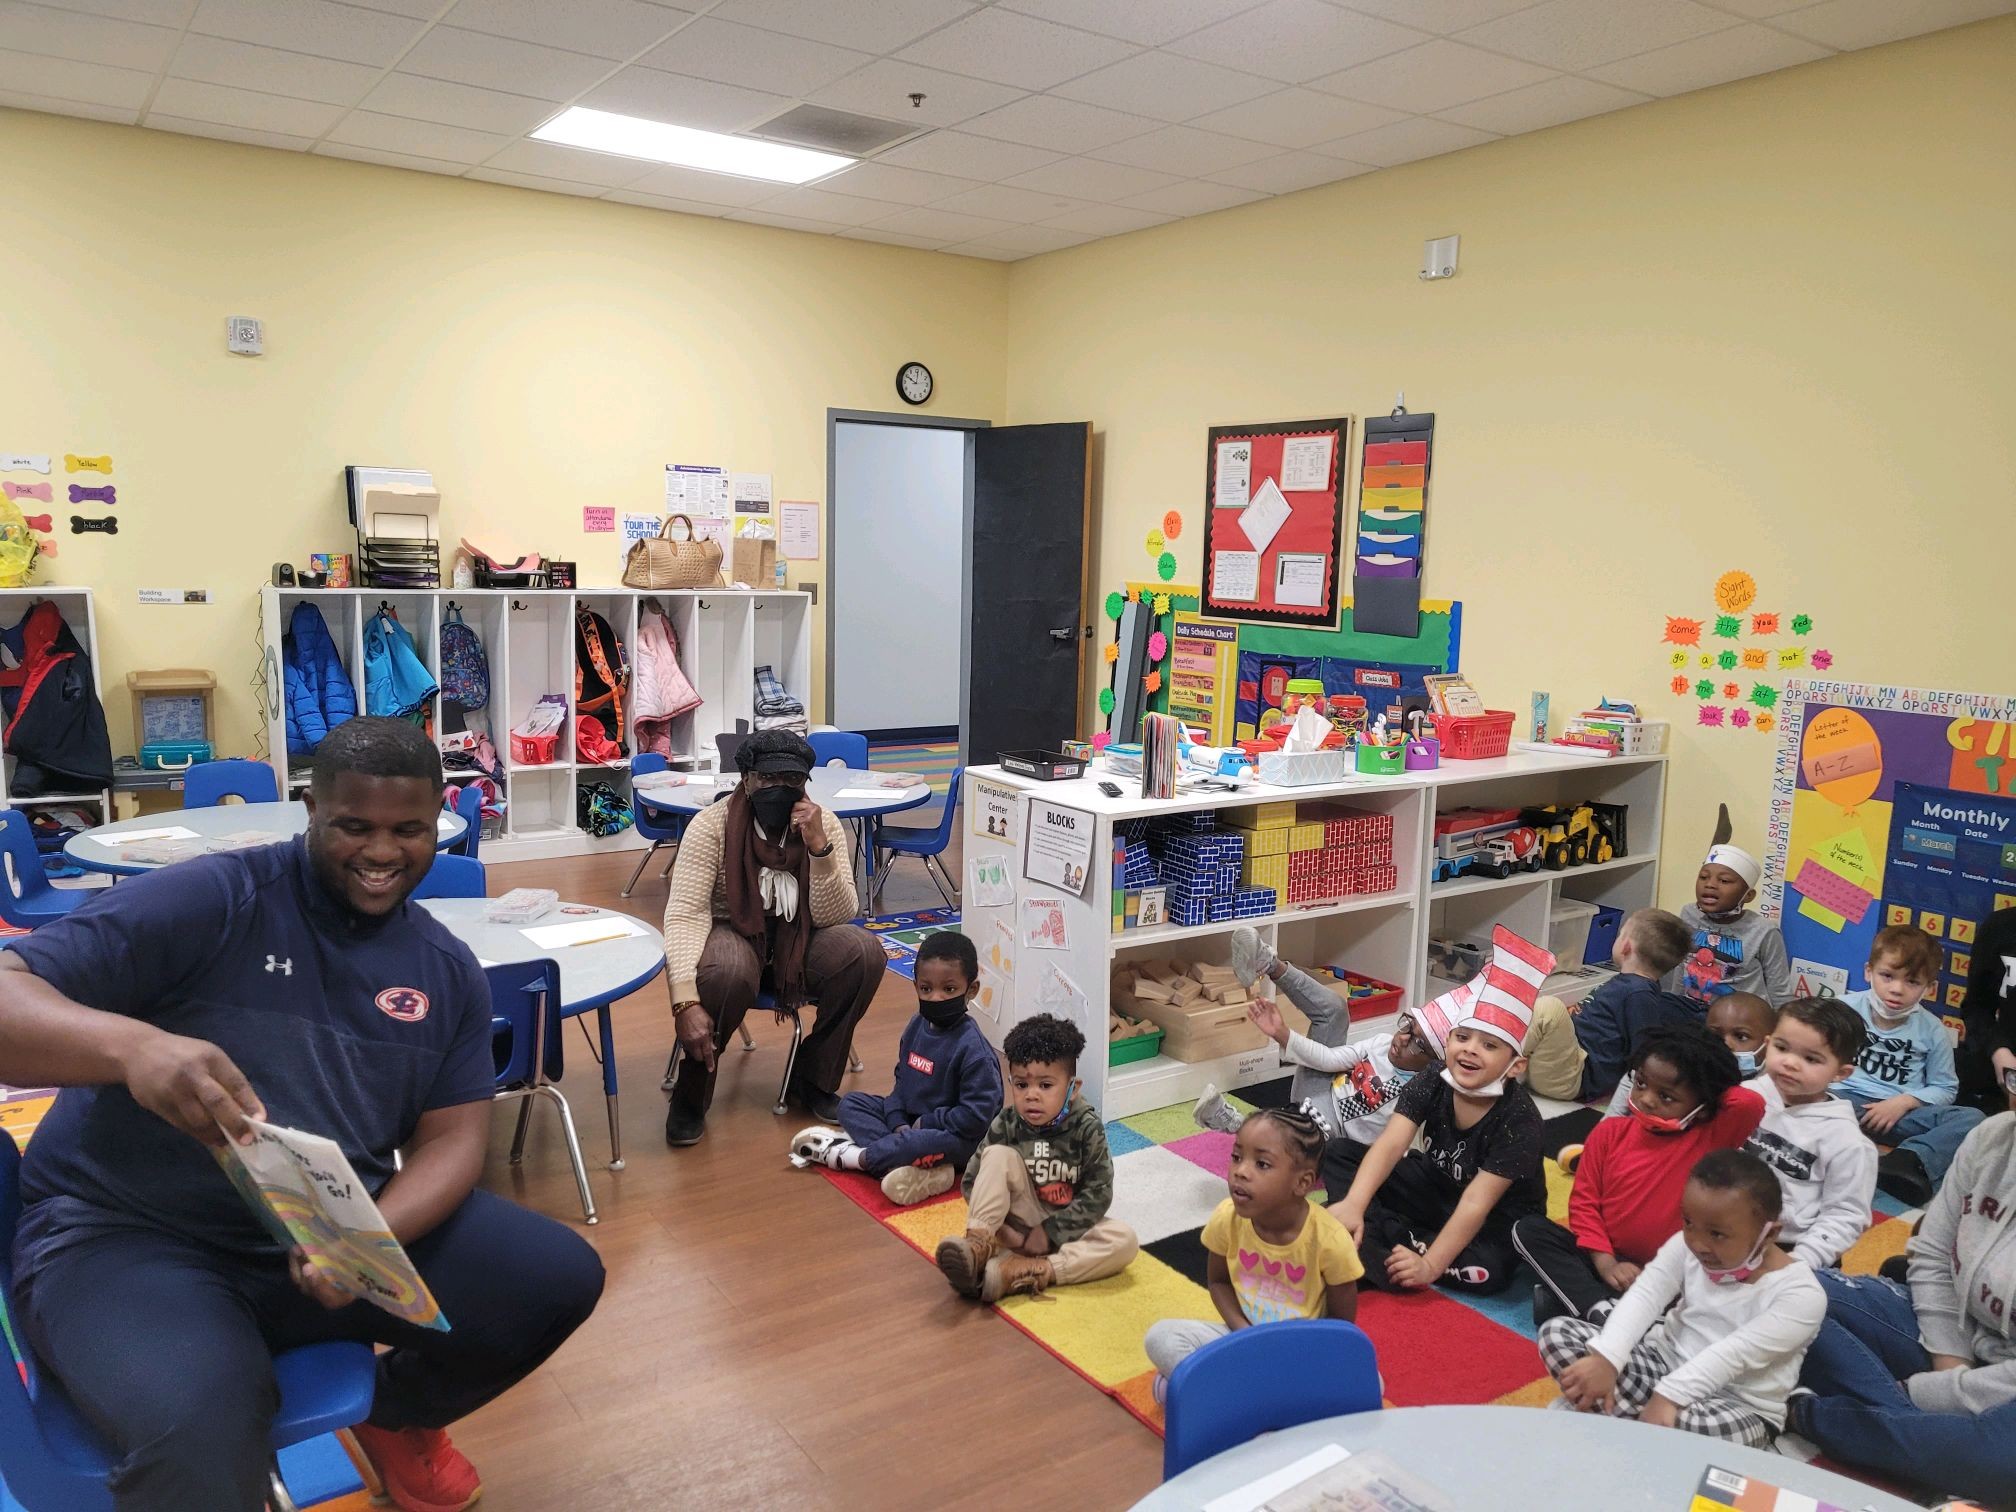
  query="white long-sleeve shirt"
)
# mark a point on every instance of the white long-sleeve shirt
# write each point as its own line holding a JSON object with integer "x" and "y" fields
{"x": 1826, "y": 1168}
{"x": 1743, "y": 1340}
{"x": 1366, "y": 1084}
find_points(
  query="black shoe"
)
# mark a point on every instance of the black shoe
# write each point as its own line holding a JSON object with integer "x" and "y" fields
{"x": 1902, "y": 1175}
{"x": 824, "y": 1106}
{"x": 684, "y": 1125}
{"x": 1546, "y": 1305}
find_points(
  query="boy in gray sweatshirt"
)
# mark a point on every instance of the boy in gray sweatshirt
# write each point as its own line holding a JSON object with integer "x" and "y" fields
{"x": 1919, "y": 1381}
{"x": 1734, "y": 950}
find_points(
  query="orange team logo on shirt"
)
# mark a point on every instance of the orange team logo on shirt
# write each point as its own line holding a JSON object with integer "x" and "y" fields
{"x": 406, "y": 1004}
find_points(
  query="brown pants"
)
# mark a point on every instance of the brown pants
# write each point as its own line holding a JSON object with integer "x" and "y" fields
{"x": 843, "y": 967}
{"x": 1001, "y": 1191}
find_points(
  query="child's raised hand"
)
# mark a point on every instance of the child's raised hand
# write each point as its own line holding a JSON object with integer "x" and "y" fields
{"x": 1589, "y": 1383}
{"x": 1267, "y": 1019}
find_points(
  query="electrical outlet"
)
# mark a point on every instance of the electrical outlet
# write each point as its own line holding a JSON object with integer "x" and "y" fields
{"x": 244, "y": 335}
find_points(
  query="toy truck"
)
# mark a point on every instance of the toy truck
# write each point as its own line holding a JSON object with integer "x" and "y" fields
{"x": 1569, "y": 835}
{"x": 1492, "y": 842}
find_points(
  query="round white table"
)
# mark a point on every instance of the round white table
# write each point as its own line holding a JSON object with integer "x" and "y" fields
{"x": 1483, "y": 1457}
{"x": 98, "y": 849}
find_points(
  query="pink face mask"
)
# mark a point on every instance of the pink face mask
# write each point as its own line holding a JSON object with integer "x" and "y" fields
{"x": 1752, "y": 1264}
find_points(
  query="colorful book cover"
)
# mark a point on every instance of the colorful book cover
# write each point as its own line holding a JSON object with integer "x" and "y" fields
{"x": 1730, "y": 1491}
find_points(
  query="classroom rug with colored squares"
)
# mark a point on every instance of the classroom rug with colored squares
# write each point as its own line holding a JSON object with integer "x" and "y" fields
{"x": 902, "y": 933}
{"x": 1436, "y": 1347}
{"x": 933, "y": 760}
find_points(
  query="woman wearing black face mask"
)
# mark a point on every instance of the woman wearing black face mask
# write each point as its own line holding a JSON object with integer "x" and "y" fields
{"x": 763, "y": 893}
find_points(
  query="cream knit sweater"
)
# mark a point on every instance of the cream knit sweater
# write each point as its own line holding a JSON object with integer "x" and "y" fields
{"x": 700, "y": 893}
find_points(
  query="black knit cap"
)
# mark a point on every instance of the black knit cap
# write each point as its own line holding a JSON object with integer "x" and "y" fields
{"x": 775, "y": 751}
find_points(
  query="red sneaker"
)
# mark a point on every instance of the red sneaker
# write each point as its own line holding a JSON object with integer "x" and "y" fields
{"x": 417, "y": 1469}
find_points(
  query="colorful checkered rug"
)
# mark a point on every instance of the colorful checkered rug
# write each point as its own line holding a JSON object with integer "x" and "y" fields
{"x": 932, "y": 760}
{"x": 902, "y": 933}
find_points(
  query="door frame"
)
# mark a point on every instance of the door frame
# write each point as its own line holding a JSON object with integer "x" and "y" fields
{"x": 834, "y": 418}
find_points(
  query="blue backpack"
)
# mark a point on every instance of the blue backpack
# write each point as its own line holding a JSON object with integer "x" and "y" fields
{"x": 465, "y": 670}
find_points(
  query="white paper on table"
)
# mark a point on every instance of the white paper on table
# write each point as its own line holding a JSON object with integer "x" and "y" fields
{"x": 445, "y": 825}
{"x": 1235, "y": 575}
{"x": 1299, "y": 578}
{"x": 127, "y": 837}
{"x": 1265, "y": 516}
{"x": 874, "y": 792}
{"x": 1305, "y": 462}
{"x": 798, "y": 530}
{"x": 1254, "y": 1494}
{"x": 752, "y": 493}
{"x": 1231, "y": 488}
{"x": 579, "y": 931}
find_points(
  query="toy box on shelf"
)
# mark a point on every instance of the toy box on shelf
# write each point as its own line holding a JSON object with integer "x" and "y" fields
{"x": 1612, "y": 728}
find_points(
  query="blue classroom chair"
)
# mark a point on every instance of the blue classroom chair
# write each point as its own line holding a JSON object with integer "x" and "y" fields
{"x": 656, "y": 825}
{"x": 1261, "y": 1380}
{"x": 452, "y": 876}
{"x": 843, "y": 746}
{"x": 525, "y": 1040}
{"x": 469, "y": 808}
{"x": 928, "y": 845}
{"x": 56, "y": 1462}
{"x": 26, "y": 898}
{"x": 209, "y": 783}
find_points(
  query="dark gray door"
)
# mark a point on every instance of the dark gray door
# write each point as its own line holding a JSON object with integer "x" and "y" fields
{"x": 1027, "y": 631}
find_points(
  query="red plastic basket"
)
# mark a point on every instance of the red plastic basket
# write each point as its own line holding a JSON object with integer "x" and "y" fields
{"x": 1475, "y": 737}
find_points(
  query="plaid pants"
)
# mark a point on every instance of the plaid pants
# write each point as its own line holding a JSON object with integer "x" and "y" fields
{"x": 1563, "y": 1341}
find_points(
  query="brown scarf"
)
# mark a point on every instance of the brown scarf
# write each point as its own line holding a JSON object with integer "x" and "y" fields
{"x": 744, "y": 852}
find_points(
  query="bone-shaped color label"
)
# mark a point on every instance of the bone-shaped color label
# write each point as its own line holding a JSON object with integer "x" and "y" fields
{"x": 74, "y": 463}
{"x": 48, "y": 547}
{"x": 109, "y": 525}
{"x": 37, "y": 522}
{"x": 24, "y": 462}
{"x": 19, "y": 491}
{"x": 79, "y": 494}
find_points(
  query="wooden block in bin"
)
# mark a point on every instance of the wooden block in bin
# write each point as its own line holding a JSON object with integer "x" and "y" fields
{"x": 1204, "y": 1030}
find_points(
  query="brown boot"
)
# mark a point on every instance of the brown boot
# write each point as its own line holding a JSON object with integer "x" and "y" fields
{"x": 964, "y": 1260}
{"x": 1008, "y": 1274}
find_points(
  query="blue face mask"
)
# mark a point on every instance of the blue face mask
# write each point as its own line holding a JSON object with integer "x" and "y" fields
{"x": 1746, "y": 1062}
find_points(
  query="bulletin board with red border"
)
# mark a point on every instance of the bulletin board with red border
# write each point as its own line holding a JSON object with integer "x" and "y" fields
{"x": 1313, "y": 527}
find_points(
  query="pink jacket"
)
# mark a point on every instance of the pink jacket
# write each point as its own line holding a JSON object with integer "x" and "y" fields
{"x": 659, "y": 691}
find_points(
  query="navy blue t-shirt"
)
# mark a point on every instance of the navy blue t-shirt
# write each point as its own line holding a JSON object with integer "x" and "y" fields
{"x": 346, "y": 1027}
{"x": 1615, "y": 1017}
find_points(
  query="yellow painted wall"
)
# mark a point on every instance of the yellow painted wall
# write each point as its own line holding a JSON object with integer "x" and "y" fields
{"x": 537, "y": 352}
{"x": 1769, "y": 326}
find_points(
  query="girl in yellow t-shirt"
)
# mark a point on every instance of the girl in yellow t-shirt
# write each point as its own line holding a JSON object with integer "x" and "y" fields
{"x": 1274, "y": 1254}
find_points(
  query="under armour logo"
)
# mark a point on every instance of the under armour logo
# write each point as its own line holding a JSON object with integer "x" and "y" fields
{"x": 286, "y": 967}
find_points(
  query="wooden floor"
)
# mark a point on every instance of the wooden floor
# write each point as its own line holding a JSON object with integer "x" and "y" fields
{"x": 763, "y": 1343}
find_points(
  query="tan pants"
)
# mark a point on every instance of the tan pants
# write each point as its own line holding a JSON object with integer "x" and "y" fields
{"x": 1554, "y": 1058}
{"x": 1001, "y": 1191}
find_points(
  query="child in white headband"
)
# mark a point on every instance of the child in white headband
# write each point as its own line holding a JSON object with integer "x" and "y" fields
{"x": 1734, "y": 949}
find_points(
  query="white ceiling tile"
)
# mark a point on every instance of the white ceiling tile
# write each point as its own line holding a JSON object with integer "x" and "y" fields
{"x": 823, "y": 205}
{"x": 1004, "y": 202}
{"x": 390, "y": 159}
{"x": 453, "y": 144}
{"x": 321, "y": 27}
{"x": 1578, "y": 34}
{"x": 534, "y": 181}
{"x": 152, "y": 12}
{"x": 1439, "y": 16}
{"x": 1539, "y": 106}
{"x": 873, "y": 26}
{"x": 964, "y": 156}
{"x": 1757, "y": 10}
{"x": 892, "y": 238}
{"x": 605, "y": 28}
{"x": 984, "y": 250}
{"x": 1410, "y": 140}
{"x": 883, "y": 88}
{"x": 451, "y": 104}
{"x": 1717, "y": 58}
{"x": 731, "y": 54}
{"x": 782, "y": 222}
{"x": 219, "y": 60}
{"x": 1162, "y": 85}
{"x": 1014, "y": 49}
{"x": 1289, "y": 172}
{"x": 707, "y": 188}
{"x": 1432, "y": 77}
{"x": 243, "y": 107}
{"x": 1194, "y": 198}
{"x": 87, "y": 38}
{"x": 1296, "y": 40}
{"x": 1067, "y": 125}
{"x": 1108, "y": 220}
{"x": 902, "y": 186}
{"x": 466, "y": 57}
{"x": 684, "y": 102}
{"x": 1185, "y": 150}
{"x": 1296, "y": 118}
{"x": 124, "y": 115}
{"x": 1028, "y": 239}
{"x": 1866, "y": 23}
{"x": 1149, "y": 22}
{"x": 551, "y": 160}
{"x": 245, "y": 134}
{"x": 930, "y": 220}
{"x": 1090, "y": 179}
{"x": 665, "y": 202}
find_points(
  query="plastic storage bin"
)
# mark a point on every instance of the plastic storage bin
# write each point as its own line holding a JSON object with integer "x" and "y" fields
{"x": 1136, "y": 1047}
{"x": 1568, "y": 932}
{"x": 1474, "y": 737}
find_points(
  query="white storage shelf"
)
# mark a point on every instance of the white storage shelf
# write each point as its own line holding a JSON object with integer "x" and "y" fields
{"x": 1384, "y": 935}
{"x": 80, "y": 613}
{"x": 528, "y": 636}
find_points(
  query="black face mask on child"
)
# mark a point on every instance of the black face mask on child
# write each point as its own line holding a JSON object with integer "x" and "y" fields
{"x": 942, "y": 1013}
{"x": 773, "y": 806}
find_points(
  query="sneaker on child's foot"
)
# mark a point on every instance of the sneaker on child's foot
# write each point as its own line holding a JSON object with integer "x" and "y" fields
{"x": 1214, "y": 1112}
{"x": 908, "y": 1185}
{"x": 1546, "y": 1305}
{"x": 417, "y": 1469}
{"x": 1159, "y": 1389}
{"x": 814, "y": 1144}
{"x": 1251, "y": 957}
{"x": 1903, "y": 1176}
{"x": 1568, "y": 1157}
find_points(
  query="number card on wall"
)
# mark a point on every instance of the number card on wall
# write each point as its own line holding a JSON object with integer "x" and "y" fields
{"x": 1274, "y": 498}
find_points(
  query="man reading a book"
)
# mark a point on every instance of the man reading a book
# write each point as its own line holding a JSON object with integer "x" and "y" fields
{"x": 291, "y": 983}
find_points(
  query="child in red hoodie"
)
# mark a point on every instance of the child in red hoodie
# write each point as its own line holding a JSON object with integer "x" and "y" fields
{"x": 1687, "y": 1100}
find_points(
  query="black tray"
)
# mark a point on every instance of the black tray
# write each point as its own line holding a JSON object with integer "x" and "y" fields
{"x": 1044, "y": 766}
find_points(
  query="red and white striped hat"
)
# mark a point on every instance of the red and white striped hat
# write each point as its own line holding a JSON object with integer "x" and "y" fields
{"x": 1498, "y": 1000}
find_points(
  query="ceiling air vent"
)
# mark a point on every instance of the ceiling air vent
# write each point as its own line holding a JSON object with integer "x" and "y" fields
{"x": 834, "y": 130}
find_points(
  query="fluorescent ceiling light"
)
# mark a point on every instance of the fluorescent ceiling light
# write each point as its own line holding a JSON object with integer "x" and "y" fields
{"x": 713, "y": 151}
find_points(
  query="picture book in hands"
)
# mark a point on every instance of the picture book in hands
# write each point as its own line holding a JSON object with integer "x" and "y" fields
{"x": 309, "y": 1197}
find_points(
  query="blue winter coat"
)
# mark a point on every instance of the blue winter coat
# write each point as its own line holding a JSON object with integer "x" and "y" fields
{"x": 319, "y": 694}
{"x": 396, "y": 682}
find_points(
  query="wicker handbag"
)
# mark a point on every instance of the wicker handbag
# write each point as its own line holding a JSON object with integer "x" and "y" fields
{"x": 661, "y": 562}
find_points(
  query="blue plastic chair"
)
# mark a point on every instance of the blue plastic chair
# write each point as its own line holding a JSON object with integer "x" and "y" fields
{"x": 453, "y": 876}
{"x": 1261, "y": 1380}
{"x": 655, "y": 825}
{"x": 928, "y": 845}
{"x": 843, "y": 746}
{"x": 209, "y": 783}
{"x": 26, "y": 898}
{"x": 56, "y": 1462}
{"x": 469, "y": 806}
{"x": 525, "y": 1039}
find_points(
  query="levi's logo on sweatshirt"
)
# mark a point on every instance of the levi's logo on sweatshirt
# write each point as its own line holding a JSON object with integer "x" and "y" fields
{"x": 922, "y": 1063}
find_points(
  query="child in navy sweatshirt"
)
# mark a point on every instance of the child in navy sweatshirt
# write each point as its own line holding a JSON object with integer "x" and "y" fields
{"x": 948, "y": 1085}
